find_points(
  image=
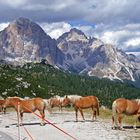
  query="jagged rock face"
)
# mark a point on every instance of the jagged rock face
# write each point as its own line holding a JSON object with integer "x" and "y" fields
{"x": 94, "y": 58}
{"x": 74, "y": 47}
{"x": 24, "y": 40}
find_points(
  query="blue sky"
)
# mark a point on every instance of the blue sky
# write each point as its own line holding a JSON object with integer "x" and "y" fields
{"x": 113, "y": 21}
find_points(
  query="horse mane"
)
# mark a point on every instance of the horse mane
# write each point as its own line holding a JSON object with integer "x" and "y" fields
{"x": 69, "y": 96}
{"x": 15, "y": 97}
{"x": 57, "y": 96}
{"x": 73, "y": 98}
{"x": 138, "y": 101}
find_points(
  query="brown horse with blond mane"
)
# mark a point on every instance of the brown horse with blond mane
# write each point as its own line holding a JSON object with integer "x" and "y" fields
{"x": 124, "y": 106}
{"x": 83, "y": 103}
{"x": 56, "y": 101}
{"x": 26, "y": 106}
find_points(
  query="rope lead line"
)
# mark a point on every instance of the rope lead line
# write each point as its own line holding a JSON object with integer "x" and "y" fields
{"x": 51, "y": 124}
{"x": 27, "y": 132}
{"x": 18, "y": 120}
{"x": 18, "y": 115}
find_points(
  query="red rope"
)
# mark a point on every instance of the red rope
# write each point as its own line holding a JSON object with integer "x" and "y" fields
{"x": 27, "y": 132}
{"x": 52, "y": 124}
{"x": 18, "y": 119}
{"x": 49, "y": 123}
{"x": 22, "y": 125}
{"x": 24, "y": 129}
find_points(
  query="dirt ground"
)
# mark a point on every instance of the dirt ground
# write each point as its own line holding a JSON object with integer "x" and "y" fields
{"x": 82, "y": 130}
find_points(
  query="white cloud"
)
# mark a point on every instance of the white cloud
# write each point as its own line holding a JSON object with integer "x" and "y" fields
{"x": 56, "y": 29}
{"x": 123, "y": 36}
{"x": 133, "y": 42}
{"x": 34, "y": 7}
{"x": 126, "y": 37}
{"x": 14, "y": 4}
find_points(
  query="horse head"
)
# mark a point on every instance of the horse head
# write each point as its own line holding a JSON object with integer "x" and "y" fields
{"x": 11, "y": 101}
{"x": 66, "y": 101}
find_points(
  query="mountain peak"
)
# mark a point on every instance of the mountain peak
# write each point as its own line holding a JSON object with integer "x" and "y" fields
{"x": 75, "y": 30}
{"x": 22, "y": 20}
{"x": 74, "y": 35}
{"x": 26, "y": 27}
{"x": 24, "y": 40}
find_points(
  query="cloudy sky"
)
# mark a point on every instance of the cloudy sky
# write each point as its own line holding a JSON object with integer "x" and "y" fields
{"x": 113, "y": 21}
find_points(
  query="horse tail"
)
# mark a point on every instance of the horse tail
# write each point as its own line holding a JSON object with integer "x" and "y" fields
{"x": 44, "y": 107}
{"x": 98, "y": 106}
{"x": 114, "y": 108}
{"x": 47, "y": 106}
{"x": 114, "y": 112}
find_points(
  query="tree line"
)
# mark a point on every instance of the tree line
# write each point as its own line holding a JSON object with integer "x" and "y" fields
{"x": 41, "y": 80}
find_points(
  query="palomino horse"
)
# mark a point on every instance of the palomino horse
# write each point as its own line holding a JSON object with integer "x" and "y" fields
{"x": 26, "y": 106}
{"x": 72, "y": 98}
{"x": 1, "y": 106}
{"x": 56, "y": 101}
{"x": 83, "y": 103}
{"x": 124, "y": 106}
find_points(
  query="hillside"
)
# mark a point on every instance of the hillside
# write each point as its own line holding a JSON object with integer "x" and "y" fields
{"x": 42, "y": 80}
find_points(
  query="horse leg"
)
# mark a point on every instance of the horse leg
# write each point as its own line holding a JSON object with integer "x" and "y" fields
{"x": 49, "y": 110}
{"x": 120, "y": 121}
{"x": 136, "y": 120}
{"x": 113, "y": 122}
{"x": 94, "y": 114}
{"x": 61, "y": 108}
{"x": 81, "y": 113}
{"x": 21, "y": 118}
{"x": 114, "y": 116}
{"x": 4, "y": 110}
{"x": 42, "y": 113}
{"x": 76, "y": 113}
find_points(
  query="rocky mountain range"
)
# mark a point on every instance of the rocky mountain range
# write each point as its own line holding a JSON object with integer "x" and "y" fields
{"x": 25, "y": 41}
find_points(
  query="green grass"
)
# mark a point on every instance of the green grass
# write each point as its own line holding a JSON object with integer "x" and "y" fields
{"x": 107, "y": 114}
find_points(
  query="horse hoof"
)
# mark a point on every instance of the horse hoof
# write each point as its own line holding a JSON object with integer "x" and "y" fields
{"x": 94, "y": 120}
{"x": 113, "y": 128}
{"x": 18, "y": 125}
{"x": 122, "y": 129}
{"x": 42, "y": 124}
